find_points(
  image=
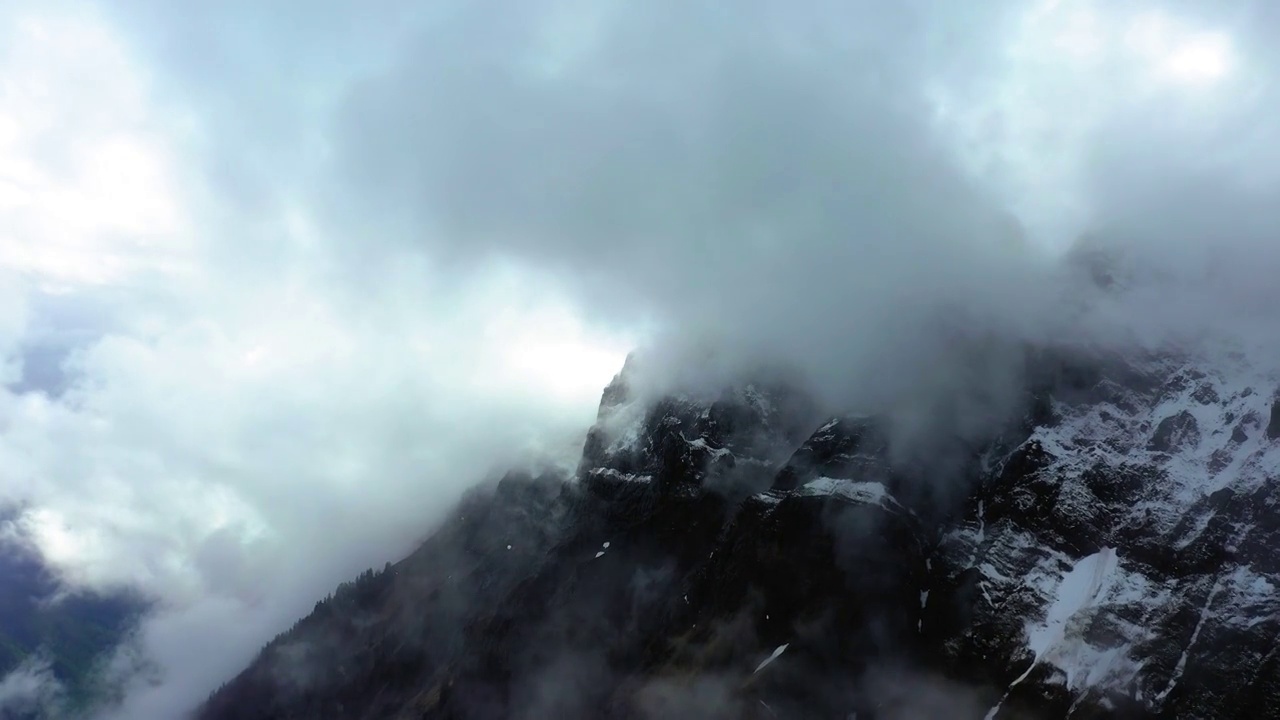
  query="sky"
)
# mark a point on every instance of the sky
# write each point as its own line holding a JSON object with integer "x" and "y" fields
{"x": 280, "y": 280}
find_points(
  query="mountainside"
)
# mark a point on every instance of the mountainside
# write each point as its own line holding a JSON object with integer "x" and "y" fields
{"x": 1107, "y": 552}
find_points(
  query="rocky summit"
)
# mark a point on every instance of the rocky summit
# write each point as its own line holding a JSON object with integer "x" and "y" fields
{"x": 1108, "y": 551}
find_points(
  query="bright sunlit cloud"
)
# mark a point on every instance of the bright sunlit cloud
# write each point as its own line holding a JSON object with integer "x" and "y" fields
{"x": 1072, "y": 65}
{"x": 1201, "y": 59}
{"x": 549, "y": 351}
{"x": 239, "y": 406}
{"x": 87, "y": 192}
{"x": 1176, "y": 52}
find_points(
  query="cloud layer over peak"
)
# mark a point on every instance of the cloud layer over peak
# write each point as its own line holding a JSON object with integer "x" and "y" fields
{"x": 286, "y": 277}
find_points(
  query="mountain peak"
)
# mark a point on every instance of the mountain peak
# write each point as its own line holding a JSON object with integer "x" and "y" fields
{"x": 1096, "y": 555}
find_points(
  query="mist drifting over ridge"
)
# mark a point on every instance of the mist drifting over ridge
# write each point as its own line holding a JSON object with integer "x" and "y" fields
{"x": 785, "y": 191}
{"x": 335, "y": 206}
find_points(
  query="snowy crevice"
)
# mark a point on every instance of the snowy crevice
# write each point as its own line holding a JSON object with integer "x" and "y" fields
{"x": 1191, "y": 643}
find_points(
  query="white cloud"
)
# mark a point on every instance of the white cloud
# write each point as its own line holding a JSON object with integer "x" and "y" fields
{"x": 31, "y": 688}
{"x": 86, "y": 191}
{"x": 255, "y": 453}
{"x": 244, "y": 426}
{"x": 1073, "y": 67}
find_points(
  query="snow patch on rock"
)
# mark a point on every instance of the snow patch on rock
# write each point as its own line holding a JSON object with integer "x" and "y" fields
{"x": 1058, "y": 640}
{"x": 701, "y": 444}
{"x": 870, "y": 493}
{"x": 614, "y": 474}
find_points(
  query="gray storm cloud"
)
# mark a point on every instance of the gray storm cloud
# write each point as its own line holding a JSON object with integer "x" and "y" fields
{"x": 777, "y": 182}
{"x": 775, "y": 177}
{"x": 696, "y": 158}
{"x": 768, "y": 182}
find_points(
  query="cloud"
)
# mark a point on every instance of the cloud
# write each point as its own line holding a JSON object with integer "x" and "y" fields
{"x": 713, "y": 166}
{"x": 846, "y": 201}
{"x": 286, "y": 288}
{"x": 222, "y": 420}
{"x": 31, "y": 691}
{"x": 760, "y": 183}
{"x": 246, "y": 459}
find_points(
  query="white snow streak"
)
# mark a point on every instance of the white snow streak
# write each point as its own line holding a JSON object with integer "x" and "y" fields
{"x": 776, "y": 653}
{"x": 1195, "y": 635}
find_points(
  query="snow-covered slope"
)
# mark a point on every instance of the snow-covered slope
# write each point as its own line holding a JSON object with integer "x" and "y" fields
{"x": 1125, "y": 554}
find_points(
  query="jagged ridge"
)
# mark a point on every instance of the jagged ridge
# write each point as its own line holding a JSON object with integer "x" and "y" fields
{"x": 1106, "y": 554}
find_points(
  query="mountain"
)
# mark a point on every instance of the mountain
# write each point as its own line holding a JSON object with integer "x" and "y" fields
{"x": 1106, "y": 551}
{"x": 55, "y": 638}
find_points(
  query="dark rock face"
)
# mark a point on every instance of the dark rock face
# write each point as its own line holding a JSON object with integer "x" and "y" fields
{"x": 1110, "y": 554}
{"x": 1174, "y": 432}
{"x": 844, "y": 447}
{"x": 1273, "y": 427}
